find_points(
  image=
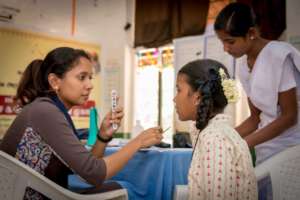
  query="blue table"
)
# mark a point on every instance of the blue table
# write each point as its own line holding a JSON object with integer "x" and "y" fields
{"x": 150, "y": 174}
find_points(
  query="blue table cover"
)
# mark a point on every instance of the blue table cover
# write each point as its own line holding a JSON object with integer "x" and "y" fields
{"x": 151, "y": 174}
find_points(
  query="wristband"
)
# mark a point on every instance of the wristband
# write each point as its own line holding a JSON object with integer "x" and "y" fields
{"x": 104, "y": 140}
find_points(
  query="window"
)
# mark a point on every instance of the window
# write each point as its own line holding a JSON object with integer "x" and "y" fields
{"x": 154, "y": 89}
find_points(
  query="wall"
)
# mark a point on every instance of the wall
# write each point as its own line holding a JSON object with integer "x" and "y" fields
{"x": 292, "y": 18}
{"x": 99, "y": 22}
{"x": 18, "y": 49}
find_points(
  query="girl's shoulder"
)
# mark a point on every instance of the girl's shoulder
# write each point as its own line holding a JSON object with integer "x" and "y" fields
{"x": 279, "y": 44}
{"x": 278, "y": 49}
{"x": 218, "y": 127}
{"x": 221, "y": 128}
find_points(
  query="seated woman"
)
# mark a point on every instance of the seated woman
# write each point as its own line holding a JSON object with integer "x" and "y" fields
{"x": 221, "y": 166}
{"x": 43, "y": 135}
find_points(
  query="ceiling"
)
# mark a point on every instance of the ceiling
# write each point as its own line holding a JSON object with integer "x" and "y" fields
{"x": 93, "y": 18}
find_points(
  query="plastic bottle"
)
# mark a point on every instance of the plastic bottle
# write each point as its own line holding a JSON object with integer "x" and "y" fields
{"x": 93, "y": 129}
{"x": 137, "y": 129}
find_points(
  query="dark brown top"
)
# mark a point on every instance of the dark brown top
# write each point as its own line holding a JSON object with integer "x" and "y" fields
{"x": 41, "y": 137}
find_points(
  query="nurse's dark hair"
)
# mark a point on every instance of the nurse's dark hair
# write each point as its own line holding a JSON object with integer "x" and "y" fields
{"x": 34, "y": 81}
{"x": 235, "y": 19}
{"x": 203, "y": 76}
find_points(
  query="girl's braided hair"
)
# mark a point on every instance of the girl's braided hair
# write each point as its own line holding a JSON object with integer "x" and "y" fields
{"x": 203, "y": 76}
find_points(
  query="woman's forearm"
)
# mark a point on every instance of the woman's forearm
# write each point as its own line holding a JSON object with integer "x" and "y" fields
{"x": 251, "y": 123}
{"x": 117, "y": 161}
{"x": 275, "y": 128}
{"x": 98, "y": 149}
{"x": 248, "y": 126}
{"x": 289, "y": 114}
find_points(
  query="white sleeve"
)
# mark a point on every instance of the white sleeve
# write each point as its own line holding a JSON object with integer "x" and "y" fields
{"x": 288, "y": 78}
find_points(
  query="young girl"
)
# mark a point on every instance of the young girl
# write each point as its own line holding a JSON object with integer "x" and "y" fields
{"x": 43, "y": 135}
{"x": 270, "y": 77}
{"x": 221, "y": 166}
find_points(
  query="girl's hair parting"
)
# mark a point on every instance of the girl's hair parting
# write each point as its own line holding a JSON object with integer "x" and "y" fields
{"x": 236, "y": 19}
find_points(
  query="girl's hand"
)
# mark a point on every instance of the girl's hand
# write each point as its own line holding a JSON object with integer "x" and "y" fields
{"x": 149, "y": 137}
{"x": 110, "y": 118}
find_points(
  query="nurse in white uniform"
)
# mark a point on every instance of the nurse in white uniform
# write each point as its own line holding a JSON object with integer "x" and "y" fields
{"x": 270, "y": 77}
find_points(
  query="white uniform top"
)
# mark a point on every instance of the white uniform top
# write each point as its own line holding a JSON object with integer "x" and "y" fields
{"x": 276, "y": 69}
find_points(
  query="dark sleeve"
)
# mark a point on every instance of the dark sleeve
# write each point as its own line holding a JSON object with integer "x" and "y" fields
{"x": 14, "y": 134}
{"x": 52, "y": 126}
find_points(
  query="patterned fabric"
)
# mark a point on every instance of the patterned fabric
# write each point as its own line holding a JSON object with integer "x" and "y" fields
{"x": 42, "y": 138}
{"x": 221, "y": 166}
{"x": 31, "y": 194}
{"x": 36, "y": 154}
{"x": 33, "y": 151}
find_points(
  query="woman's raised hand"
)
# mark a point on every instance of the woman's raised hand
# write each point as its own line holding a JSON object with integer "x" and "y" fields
{"x": 149, "y": 137}
{"x": 106, "y": 129}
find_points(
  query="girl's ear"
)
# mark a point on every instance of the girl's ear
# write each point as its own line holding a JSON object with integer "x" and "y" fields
{"x": 197, "y": 98}
{"x": 253, "y": 33}
{"x": 54, "y": 82}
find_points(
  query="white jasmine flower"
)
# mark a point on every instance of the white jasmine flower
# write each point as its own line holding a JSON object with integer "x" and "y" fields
{"x": 229, "y": 87}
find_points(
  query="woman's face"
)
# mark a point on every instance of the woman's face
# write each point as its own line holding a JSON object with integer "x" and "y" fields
{"x": 75, "y": 86}
{"x": 235, "y": 46}
{"x": 186, "y": 100}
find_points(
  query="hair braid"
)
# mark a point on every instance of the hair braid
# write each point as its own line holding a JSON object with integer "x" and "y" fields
{"x": 203, "y": 77}
{"x": 204, "y": 109}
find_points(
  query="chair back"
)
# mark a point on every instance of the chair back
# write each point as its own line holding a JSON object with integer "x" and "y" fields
{"x": 180, "y": 192}
{"x": 284, "y": 171}
{"x": 15, "y": 177}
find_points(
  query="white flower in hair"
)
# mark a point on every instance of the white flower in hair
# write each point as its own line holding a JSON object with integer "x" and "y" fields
{"x": 229, "y": 87}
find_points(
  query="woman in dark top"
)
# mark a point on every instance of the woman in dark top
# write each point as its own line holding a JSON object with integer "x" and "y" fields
{"x": 43, "y": 135}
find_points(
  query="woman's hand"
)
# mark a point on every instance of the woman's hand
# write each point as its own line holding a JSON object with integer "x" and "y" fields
{"x": 110, "y": 118}
{"x": 149, "y": 137}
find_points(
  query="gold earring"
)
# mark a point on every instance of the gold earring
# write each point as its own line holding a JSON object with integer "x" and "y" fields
{"x": 55, "y": 89}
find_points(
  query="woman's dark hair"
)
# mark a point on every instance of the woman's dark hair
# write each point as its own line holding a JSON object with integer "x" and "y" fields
{"x": 34, "y": 82}
{"x": 203, "y": 76}
{"x": 236, "y": 19}
{"x": 26, "y": 91}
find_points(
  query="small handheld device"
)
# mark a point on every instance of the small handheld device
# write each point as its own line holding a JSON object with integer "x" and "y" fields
{"x": 114, "y": 106}
{"x": 166, "y": 129}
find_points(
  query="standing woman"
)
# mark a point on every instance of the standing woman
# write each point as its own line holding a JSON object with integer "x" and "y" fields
{"x": 270, "y": 77}
{"x": 43, "y": 135}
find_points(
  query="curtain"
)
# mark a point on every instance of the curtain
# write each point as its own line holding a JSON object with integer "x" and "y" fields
{"x": 158, "y": 22}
